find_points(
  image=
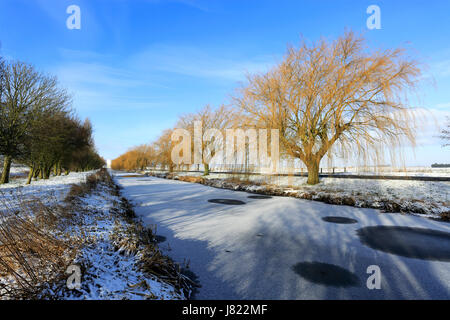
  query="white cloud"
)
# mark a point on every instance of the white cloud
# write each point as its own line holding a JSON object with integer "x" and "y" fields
{"x": 202, "y": 5}
{"x": 83, "y": 55}
{"x": 105, "y": 100}
{"x": 440, "y": 68}
{"x": 96, "y": 74}
{"x": 203, "y": 63}
{"x": 99, "y": 83}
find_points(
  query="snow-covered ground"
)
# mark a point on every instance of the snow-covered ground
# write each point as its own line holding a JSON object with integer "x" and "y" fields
{"x": 252, "y": 251}
{"x": 109, "y": 272}
{"x": 383, "y": 171}
{"x": 18, "y": 171}
{"x": 408, "y": 172}
{"x": 391, "y": 171}
{"x": 54, "y": 189}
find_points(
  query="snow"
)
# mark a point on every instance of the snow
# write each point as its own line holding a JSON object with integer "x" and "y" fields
{"x": 370, "y": 171}
{"x": 390, "y": 171}
{"x": 18, "y": 171}
{"x": 55, "y": 187}
{"x": 429, "y": 198}
{"x": 248, "y": 251}
{"x": 406, "y": 190}
{"x": 110, "y": 273}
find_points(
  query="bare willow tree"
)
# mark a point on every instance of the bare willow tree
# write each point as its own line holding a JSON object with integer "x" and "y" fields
{"x": 335, "y": 98}
{"x": 445, "y": 134}
{"x": 26, "y": 94}
{"x": 163, "y": 150}
{"x": 211, "y": 119}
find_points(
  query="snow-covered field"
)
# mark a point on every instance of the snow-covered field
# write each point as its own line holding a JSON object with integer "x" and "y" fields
{"x": 46, "y": 190}
{"x": 382, "y": 171}
{"x": 407, "y": 172}
{"x": 391, "y": 171}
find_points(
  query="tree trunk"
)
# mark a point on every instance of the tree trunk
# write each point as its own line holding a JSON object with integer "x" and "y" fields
{"x": 206, "y": 171}
{"x": 30, "y": 175}
{"x": 313, "y": 171}
{"x": 6, "y": 169}
{"x": 47, "y": 173}
{"x": 36, "y": 173}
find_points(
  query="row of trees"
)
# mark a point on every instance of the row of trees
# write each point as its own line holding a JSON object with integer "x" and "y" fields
{"x": 137, "y": 158}
{"x": 329, "y": 98}
{"x": 38, "y": 128}
{"x": 159, "y": 152}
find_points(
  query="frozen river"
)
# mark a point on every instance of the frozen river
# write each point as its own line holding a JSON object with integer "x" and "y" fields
{"x": 288, "y": 248}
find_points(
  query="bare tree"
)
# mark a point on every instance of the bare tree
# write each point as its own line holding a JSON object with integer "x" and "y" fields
{"x": 136, "y": 158}
{"x": 2, "y": 77}
{"x": 163, "y": 149}
{"x": 80, "y": 153}
{"x": 210, "y": 118}
{"x": 335, "y": 98}
{"x": 26, "y": 94}
{"x": 445, "y": 134}
{"x": 51, "y": 141}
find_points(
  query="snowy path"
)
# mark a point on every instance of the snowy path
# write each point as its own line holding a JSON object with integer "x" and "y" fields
{"x": 252, "y": 251}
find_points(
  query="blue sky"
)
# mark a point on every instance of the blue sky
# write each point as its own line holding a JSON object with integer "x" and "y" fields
{"x": 135, "y": 65}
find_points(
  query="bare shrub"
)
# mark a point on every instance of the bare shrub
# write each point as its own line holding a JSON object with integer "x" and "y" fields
{"x": 445, "y": 216}
{"x": 91, "y": 183}
{"x": 191, "y": 179}
{"x": 135, "y": 239}
{"x": 29, "y": 257}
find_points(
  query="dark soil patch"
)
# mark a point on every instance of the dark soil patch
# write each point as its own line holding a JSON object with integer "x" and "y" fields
{"x": 340, "y": 220}
{"x": 160, "y": 239}
{"x": 326, "y": 274}
{"x": 227, "y": 201}
{"x": 259, "y": 197}
{"x": 408, "y": 242}
{"x": 440, "y": 220}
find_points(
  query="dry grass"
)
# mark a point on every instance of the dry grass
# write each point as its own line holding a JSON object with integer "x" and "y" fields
{"x": 34, "y": 248}
{"x": 135, "y": 239}
{"x": 91, "y": 183}
{"x": 130, "y": 237}
{"x": 191, "y": 179}
{"x": 445, "y": 216}
{"x": 29, "y": 256}
{"x": 244, "y": 180}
